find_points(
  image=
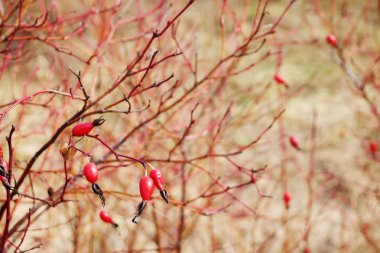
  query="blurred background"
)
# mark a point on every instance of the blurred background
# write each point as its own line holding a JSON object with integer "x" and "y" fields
{"x": 262, "y": 116}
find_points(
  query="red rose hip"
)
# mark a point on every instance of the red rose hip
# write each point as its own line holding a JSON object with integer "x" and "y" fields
{"x": 146, "y": 187}
{"x": 158, "y": 180}
{"x": 306, "y": 250}
{"x": 91, "y": 172}
{"x": 294, "y": 142}
{"x": 331, "y": 39}
{"x": 82, "y": 129}
{"x": 105, "y": 216}
{"x": 146, "y": 190}
{"x": 287, "y": 198}
{"x": 279, "y": 79}
{"x": 373, "y": 147}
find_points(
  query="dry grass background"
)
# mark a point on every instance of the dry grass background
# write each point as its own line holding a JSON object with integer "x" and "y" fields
{"x": 344, "y": 124}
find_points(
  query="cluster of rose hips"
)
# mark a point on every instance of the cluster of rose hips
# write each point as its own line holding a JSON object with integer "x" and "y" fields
{"x": 332, "y": 40}
{"x": 146, "y": 185}
{"x": 90, "y": 171}
{"x": 372, "y": 148}
{"x": 280, "y": 80}
{"x": 287, "y": 197}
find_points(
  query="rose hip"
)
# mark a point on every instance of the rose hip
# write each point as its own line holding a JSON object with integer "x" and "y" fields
{"x": 373, "y": 147}
{"x": 280, "y": 80}
{"x": 331, "y": 39}
{"x": 294, "y": 142}
{"x": 287, "y": 198}
{"x": 82, "y": 129}
{"x": 106, "y": 217}
{"x": 158, "y": 180}
{"x": 146, "y": 187}
{"x": 91, "y": 172}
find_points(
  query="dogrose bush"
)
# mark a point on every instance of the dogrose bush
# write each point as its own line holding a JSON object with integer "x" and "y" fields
{"x": 112, "y": 99}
